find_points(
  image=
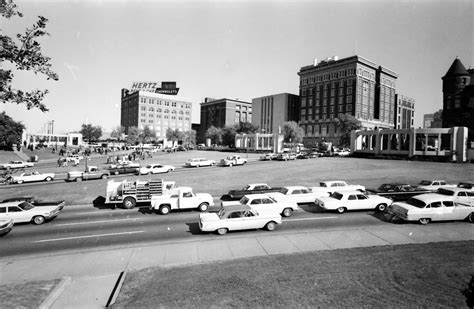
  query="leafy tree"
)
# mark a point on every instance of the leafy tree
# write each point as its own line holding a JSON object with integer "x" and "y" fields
{"x": 189, "y": 138}
{"x": 345, "y": 124}
{"x": 174, "y": 135}
{"x": 10, "y": 132}
{"x": 292, "y": 133}
{"x": 215, "y": 134}
{"x": 228, "y": 135}
{"x": 90, "y": 132}
{"x": 246, "y": 127}
{"x": 146, "y": 135}
{"x": 25, "y": 55}
{"x": 132, "y": 136}
{"x": 118, "y": 133}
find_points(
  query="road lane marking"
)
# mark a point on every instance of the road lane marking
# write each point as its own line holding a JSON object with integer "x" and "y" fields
{"x": 89, "y": 236}
{"x": 93, "y": 222}
{"x": 320, "y": 218}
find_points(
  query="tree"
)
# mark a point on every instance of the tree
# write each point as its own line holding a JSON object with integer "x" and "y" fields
{"x": 215, "y": 134}
{"x": 189, "y": 138}
{"x": 246, "y": 127}
{"x": 228, "y": 135}
{"x": 132, "y": 136}
{"x": 345, "y": 124}
{"x": 292, "y": 133}
{"x": 118, "y": 133}
{"x": 90, "y": 132}
{"x": 25, "y": 55}
{"x": 174, "y": 135}
{"x": 10, "y": 132}
{"x": 146, "y": 135}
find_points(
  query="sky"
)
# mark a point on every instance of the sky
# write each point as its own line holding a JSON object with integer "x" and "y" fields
{"x": 230, "y": 49}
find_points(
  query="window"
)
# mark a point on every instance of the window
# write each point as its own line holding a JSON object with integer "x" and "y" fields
{"x": 352, "y": 197}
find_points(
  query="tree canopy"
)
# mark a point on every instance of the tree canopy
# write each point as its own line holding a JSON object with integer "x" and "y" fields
{"x": 90, "y": 132}
{"x": 10, "y": 132}
{"x": 146, "y": 135}
{"x": 292, "y": 133}
{"x": 132, "y": 136}
{"x": 214, "y": 134}
{"x": 345, "y": 124}
{"x": 24, "y": 54}
{"x": 118, "y": 133}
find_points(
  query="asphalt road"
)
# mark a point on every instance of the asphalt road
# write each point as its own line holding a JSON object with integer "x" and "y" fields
{"x": 85, "y": 227}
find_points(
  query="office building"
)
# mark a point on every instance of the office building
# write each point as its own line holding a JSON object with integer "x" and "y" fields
{"x": 352, "y": 85}
{"x": 270, "y": 112}
{"x": 221, "y": 113}
{"x": 404, "y": 112}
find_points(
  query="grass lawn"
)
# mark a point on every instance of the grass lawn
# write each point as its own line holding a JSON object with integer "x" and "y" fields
{"x": 26, "y": 295}
{"x": 426, "y": 275}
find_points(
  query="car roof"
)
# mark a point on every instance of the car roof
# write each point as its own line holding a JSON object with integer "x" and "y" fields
{"x": 295, "y": 187}
{"x": 347, "y": 192}
{"x": 15, "y": 203}
{"x": 260, "y": 195}
{"x": 237, "y": 207}
{"x": 430, "y": 197}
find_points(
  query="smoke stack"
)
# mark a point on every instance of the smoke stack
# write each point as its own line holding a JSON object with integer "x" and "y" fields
{"x": 315, "y": 61}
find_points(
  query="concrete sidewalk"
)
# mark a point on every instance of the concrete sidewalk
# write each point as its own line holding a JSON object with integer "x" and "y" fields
{"x": 89, "y": 278}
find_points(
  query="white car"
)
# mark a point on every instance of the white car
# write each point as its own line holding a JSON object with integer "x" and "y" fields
{"x": 459, "y": 195}
{"x": 434, "y": 185}
{"x": 238, "y": 217}
{"x": 6, "y": 225}
{"x": 22, "y": 211}
{"x": 353, "y": 200}
{"x": 17, "y": 164}
{"x": 233, "y": 160}
{"x": 31, "y": 177}
{"x": 155, "y": 168}
{"x": 277, "y": 203}
{"x": 300, "y": 194}
{"x": 431, "y": 207}
{"x": 198, "y": 162}
{"x": 336, "y": 185}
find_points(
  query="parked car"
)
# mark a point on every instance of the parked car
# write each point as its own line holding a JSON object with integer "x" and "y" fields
{"x": 233, "y": 160}
{"x": 353, "y": 200}
{"x": 285, "y": 156}
{"x": 459, "y": 195}
{"x": 31, "y": 177}
{"x": 238, "y": 217}
{"x": 336, "y": 185}
{"x": 268, "y": 156}
{"x": 6, "y": 225}
{"x": 397, "y": 191}
{"x": 122, "y": 169}
{"x": 276, "y": 202}
{"x": 198, "y": 162}
{"x": 25, "y": 212}
{"x": 17, "y": 164}
{"x": 434, "y": 185}
{"x": 300, "y": 194}
{"x": 431, "y": 207}
{"x": 253, "y": 188}
{"x": 155, "y": 168}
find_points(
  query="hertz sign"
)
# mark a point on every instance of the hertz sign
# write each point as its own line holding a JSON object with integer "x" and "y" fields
{"x": 163, "y": 88}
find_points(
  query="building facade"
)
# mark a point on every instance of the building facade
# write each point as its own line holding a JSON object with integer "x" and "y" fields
{"x": 270, "y": 112}
{"x": 221, "y": 113}
{"x": 156, "y": 111}
{"x": 433, "y": 120}
{"x": 404, "y": 112}
{"x": 458, "y": 97}
{"x": 352, "y": 85}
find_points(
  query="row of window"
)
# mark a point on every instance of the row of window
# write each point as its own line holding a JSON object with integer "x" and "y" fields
{"x": 328, "y": 76}
{"x": 166, "y": 111}
{"x": 150, "y": 116}
{"x": 165, "y": 103}
{"x": 325, "y": 101}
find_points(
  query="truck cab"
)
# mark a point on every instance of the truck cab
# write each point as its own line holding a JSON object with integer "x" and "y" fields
{"x": 182, "y": 198}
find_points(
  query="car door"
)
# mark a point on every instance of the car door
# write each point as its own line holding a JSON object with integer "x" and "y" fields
{"x": 436, "y": 211}
{"x": 188, "y": 200}
{"x": 363, "y": 202}
{"x": 157, "y": 169}
{"x": 352, "y": 202}
{"x": 235, "y": 221}
{"x": 462, "y": 197}
{"x": 18, "y": 214}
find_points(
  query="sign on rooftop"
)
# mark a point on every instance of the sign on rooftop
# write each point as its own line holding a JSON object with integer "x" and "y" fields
{"x": 156, "y": 87}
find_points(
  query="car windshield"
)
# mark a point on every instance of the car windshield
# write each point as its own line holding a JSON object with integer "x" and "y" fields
{"x": 425, "y": 183}
{"x": 416, "y": 202}
{"x": 244, "y": 200}
{"x": 445, "y": 192}
{"x": 284, "y": 190}
{"x": 26, "y": 206}
{"x": 149, "y": 166}
{"x": 337, "y": 195}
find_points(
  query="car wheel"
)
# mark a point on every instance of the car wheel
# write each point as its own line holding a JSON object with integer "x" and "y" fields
{"x": 19, "y": 181}
{"x": 197, "y": 165}
{"x": 116, "y": 173}
{"x": 270, "y": 226}
{"x": 48, "y": 179}
{"x": 168, "y": 171}
{"x": 341, "y": 210}
{"x": 104, "y": 176}
{"x": 470, "y": 218}
{"x": 78, "y": 179}
{"x": 129, "y": 202}
{"x": 424, "y": 221}
{"x": 381, "y": 207}
{"x": 165, "y": 209}
{"x": 287, "y": 212}
{"x": 203, "y": 207}
{"x": 222, "y": 231}
{"x": 38, "y": 220}
{"x": 230, "y": 164}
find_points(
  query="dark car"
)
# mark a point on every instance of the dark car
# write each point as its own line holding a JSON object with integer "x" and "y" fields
{"x": 123, "y": 169}
{"x": 397, "y": 191}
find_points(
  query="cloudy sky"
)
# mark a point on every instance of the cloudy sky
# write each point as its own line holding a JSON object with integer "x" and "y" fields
{"x": 232, "y": 49}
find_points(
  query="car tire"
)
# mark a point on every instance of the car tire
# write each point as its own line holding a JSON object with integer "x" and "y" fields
{"x": 165, "y": 209}
{"x": 129, "y": 202}
{"x": 19, "y": 182}
{"x": 270, "y": 226}
{"x": 203, "y": 207}
{"x": 78, "y": 179}
{"x": 48, "y": 179}
{"x": 230, "y": 164}
{"x": 381, "y": 207}
{"x": 198, "y": 165}
{"x": 168, "y": 171}
{"x": 287, "y": 212}
{"x": 38, "y": 220}
{"x": 104, "y": 176}
{"x": 424, "y": 221}
{"x": 341, "y": 210}
{"x": 222, "y": 231}
{"x": 470, "y": 218}
{"x": 116, "y": 173}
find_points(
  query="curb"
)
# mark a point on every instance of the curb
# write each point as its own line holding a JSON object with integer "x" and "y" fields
{"x": 116, "y": 290}
{"x": 54, "y": 295}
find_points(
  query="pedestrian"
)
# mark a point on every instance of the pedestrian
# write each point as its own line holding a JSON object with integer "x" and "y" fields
{"x": 59, "y": 162}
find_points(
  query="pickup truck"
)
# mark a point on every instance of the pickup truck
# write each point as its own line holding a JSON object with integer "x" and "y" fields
{"x": 397, "y": 191}
{"x": 182, "y": 198}
{"x": 91, "y": 173}
{"x": 253, "y": 188}
{"x": 336, "y": 185}
{"x": 233, "y": 160}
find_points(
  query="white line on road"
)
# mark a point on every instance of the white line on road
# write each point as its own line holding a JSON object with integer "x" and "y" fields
{"x": 94, "y": 222}
{"x": 320, "y": 218}
{"x": 89, "y": 236}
